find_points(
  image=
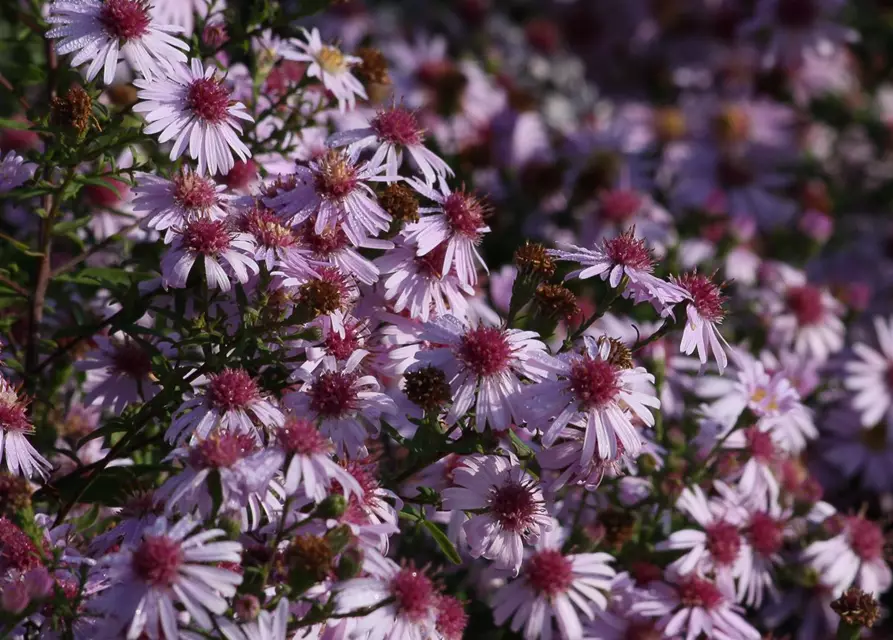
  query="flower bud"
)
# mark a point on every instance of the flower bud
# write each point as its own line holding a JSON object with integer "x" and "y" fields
{"x": 333, "y": 506}
{"x": 857, "y": 608}
{"x": 14, "y": 598}
{"x": 38, "y": 582}
{"x": 350, "y": 564}
{"x": 247, "y": 607}
{"x": 73, "y": 110}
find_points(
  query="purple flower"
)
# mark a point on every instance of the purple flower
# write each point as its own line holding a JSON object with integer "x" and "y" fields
{"x": 14, "y": 171}
{"x": 21, "y": 457}
{"x": 704, "y": 312}
{"x": 512, "y": 510}
{"x": 870, "y": 375}
{"x": 119, "y": 372}
{"x": 166, "y": 205}
{"x": 854, "y": 556}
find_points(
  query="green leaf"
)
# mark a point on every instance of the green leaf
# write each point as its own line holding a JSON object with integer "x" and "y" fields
{"x": 6, "y": 123}
{"x": 449, "y": 550}
{"x": 521, "y": 449}
{"x": 215, "y": 488}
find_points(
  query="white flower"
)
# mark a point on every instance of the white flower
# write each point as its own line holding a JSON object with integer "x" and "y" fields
{"x": 870, "y": 376}
{"x": 328, "y": 64}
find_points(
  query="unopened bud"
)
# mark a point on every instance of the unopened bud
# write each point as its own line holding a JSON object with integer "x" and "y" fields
{"x": 534, "y": 259}
{"x": 247, "y": 607}
{"x": 214, "y": 35}
{"x": 38, "y": 582}
{"x": 309, "y": 560}
{"x": 400, "y": 202}
{"x": 350, "y": 564}
{"x": 333, "y": 506}
{"x": 14, "y": 598}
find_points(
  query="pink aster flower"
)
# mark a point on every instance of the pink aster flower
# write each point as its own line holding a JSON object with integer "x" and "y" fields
{"x": 756, "y": 479}
{"x": 416, "y": 284}
{"x": 597, "y": 393}
{"x": 855, "y": 555}
{"x": 554, "y": 586}
{"x": 244, "y": 475}
{"x": 694, "y": 605}
{"x": 624, "y": 258}
{"x": 307, "y": 456}
{"x": 14, "y": 425}
{"x": 347, "y": 404}
{"x": 215, "y": 244}
{"x": 394, "y": 130}
{"x": 274, "y": 239}
{"x": 765, "y": 532}
{"x": 101, "y": 31}
{"x": 333, "y": 188}
{"x": 182, "y": 12}
{"x": 333, "y": 246}
{"x": 168, "y": 566}
{"x": 14, "y": 171}
{"x": 330, "y": 65}
{"x": 166, "y": 205}
{"x": 457, "y": 221}
{"x": 232, "y": 400}
{"x": 412, "y": 611}
{"x": 119, "y": 372}
{"x": 717, "y": 546}
{"x": 511, "y": 504}
{"x": 191, "y": 106}
{"x": 368, "y": 503}
{"x": 870, "y": 375}
{"x": 704, "y": 312}
{"x": 451, "y": 618}
{"x": 266, "y": 626}
{"x": 485, "y": 362}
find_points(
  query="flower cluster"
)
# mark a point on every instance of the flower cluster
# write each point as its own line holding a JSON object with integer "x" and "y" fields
{"x": 351, "y": 325}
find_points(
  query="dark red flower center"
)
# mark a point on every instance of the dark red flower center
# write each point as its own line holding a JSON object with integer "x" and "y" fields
{"x": 397, "y": 126}
{"x": 866, "y": 538}
{"x": 125, "y": 19}
{"x": 806, "y": 303}
{"x": 334, "y": 394}
{"x": 723, "y": 542}
{"x": 619, "y": 205}
{"x": 193, "y": 192}
{"x": 451, "y": 618}
{"x": 106, "y": 197}
{"x": 242, "y": 175}
{"x": 766, "y": 534}
{"x": 342, "y": 346}
{"x": 629, "y": 251}
{"x": 207, "y": 237}
{"x": 485, "y": 351}
{"x": 221, "y": 450}
{"x": 760, "y": 443}
{"x": 549, "y": 573}
{"x": 13, "y": 416}
{"x": 698, "y": 592}
{"x": 594, "y": 382}
{"x": 301, "y": 437}
{"x": 465, "y": 214}
{"x": 513, "y": 505}
{"x": 267, "y": 228}
{"x": 232, "y": 389}
{"x": 414, "y": 594}
{"x": 158, "y": 560}
{"x": 130, "y": 359}
{"x": 208, "y": 99}
{"x": 706, "y": 296}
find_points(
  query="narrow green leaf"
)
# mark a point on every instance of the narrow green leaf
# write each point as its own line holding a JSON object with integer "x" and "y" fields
{"x": 449, "y": 550}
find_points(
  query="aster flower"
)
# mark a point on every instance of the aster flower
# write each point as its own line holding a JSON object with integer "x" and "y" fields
{"x": 553, "y": 585}
{"x": 870, "y": 375}
{"x": 274, "y": 239}
{"x": 192, "y": 106}
{"x": 457, "y": 221}
{"x": 766, "y": 532}
{"x": 624, "y": 258}
{"x": 329, "y": 64}
{"x": 703, "y": 312}
{"x": 333, "y": 246}
{"x": 215, "y": 244}
{"x": 242, "y": 472}
{"x": 139, "y": 511}
{"x": 119, "y": 372}
{"x": 486, "y": 362}
{"x": 594, "y": 391}
{"x": 309, "y": 465}
{"x": 14, "y": 171}
{"x": 370, "y": 505}
{"x": 266, "y": 627}
{"x": 232, "y": 400}
{"x": 855, "y": 555}
{"x": 756, "y": 480}
{"x": 512, "y": 508}
{"x": 415, "y": 283}
{"x": 394, "y": 130}
{"x": 166, "y": 205}
{"x": 169, "y": 566}
{"x": 412, "y": 614}
{"x": 717, "y": 546}
{"x": 333, "y": 188}
{"x": 694, "y": 605}
{"x": 346, "y": 404}
{"x": 21, "y": 457}
{"x": 182, "y": 12}
{"x": 101, "y": 31}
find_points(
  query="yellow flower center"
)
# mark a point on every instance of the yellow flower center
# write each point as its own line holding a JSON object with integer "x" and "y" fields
{"x": 331, "y": 60}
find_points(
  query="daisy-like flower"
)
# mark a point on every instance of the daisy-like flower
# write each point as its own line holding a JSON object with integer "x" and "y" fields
{"x": 119, "y": 372}
{"x": 415, "y": 283}
{"x": 275, "y": 240}
{"x": 394, "y": 130}
{"x": 412, "y": 611}
{"x": 553, "y": 585}
{"x": 333, "y": 246}
{"x": 457, "y": 221}
{"x": 169, "y": 566}
{"x": 242, "y": 471}
{"x": 330, "y": 65}
{"x": 307, "y": 455}
{"x": 166, "y": 205}
{"x": 703, "y": 312}
{"x": 347, "y": 405}
{"x": 597, "y": 392}
{"x": 803, "y": 316}
{"x": 512, "y": 505}
{"x": 213, "y": 242}
{"x": 692, "y": 606}
{"x": 267, "y": 626}
{"x": 182, "y": 12}
{"x": 855, "y": 555}
{"x": 717, "y": 546}
{"x": 233, "y": 400}
{"x": 21, "y": 457}
{"x": 101, "y": 31}
{"x": 624, "y": 257}
{"x": 870, "y": 375}
{"x": 14, "y": 171}
{"x": 765, "y": 531}
{"x": 370, "y": 504}
{"x": 333, "y": 188}
{"x": 485, "y": 362}
{"x": 757, "y": 483}
{"x": 191, "y": 106}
